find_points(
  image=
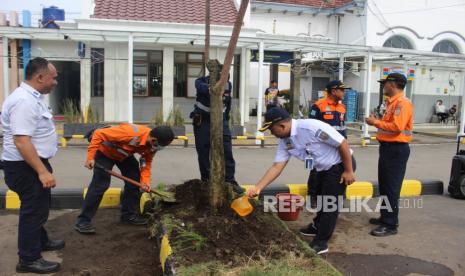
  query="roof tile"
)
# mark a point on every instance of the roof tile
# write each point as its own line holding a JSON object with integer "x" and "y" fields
{"x": 223, "y": 12}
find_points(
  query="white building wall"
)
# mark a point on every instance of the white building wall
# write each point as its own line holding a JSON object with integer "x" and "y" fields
{"x": 116, "y": 82}
{"x": 425, "y": 19}
{"x": 292, "y": 24}
{"x": 54, "y": 50}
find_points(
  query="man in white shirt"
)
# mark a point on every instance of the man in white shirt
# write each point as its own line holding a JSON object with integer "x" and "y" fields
{"x": 29, "y": 140}
{"x": 322, "y": 148}
{"x": 441, "y": 111}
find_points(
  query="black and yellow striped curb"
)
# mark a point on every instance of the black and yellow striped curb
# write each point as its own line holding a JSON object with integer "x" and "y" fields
{"x": 73, "y": 198}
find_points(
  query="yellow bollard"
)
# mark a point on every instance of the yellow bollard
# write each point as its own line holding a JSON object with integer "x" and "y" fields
{"x": 63, "y": 142}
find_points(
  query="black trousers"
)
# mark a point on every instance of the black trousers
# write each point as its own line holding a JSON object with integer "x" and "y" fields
{"x": 325, "y": 222}
{"x": 35, "y": 204}
{"x": 314, "y": 186}
{"x": 129, "y": 167}
{"x": 202, "y": 145}
{"x": 392, "y": 164}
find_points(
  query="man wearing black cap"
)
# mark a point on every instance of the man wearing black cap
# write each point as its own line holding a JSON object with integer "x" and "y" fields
{"x": 394, "y": 133}
{"x": 321, "y": 147}
{"x": 332, "y": 111}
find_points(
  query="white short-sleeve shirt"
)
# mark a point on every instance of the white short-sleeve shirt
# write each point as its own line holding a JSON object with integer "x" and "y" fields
{"x": 311, "y": 137}
{"x": 25, "y": 112}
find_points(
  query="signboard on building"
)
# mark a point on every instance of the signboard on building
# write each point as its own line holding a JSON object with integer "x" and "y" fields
{"x": 388, "y": 70}
{"x": 273, "y": 56}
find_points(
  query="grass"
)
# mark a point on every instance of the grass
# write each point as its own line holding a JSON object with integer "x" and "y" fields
{"x": 291, "y": 265}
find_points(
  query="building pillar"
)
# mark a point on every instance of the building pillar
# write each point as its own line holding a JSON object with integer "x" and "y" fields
{"x": 6, "y": 69}
{"x": 247, "y": 86}
{"x": 242, "y": 77}
{"x": 261, "y": 55}
{"x": 341, "y": 66}
{"x": 130, "y": 76}
{"x": 168, "y": 81}
{"x": 367, "y": 89}
{"x": 86, "y": 82}
{"x": 462, "y": 110}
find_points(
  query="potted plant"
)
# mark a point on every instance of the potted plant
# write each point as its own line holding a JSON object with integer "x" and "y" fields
{"x": 176, "y": 121}
{"x": 235, "y": 122}
{"x": 77, "y": 123}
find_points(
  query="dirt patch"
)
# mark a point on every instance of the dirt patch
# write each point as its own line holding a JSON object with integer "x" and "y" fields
{"x": 363, "y": 264}
{"x": 116, "y": 249}
{"x": 227, "y": 238}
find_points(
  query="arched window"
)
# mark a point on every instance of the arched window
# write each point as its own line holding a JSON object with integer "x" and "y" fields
{"x": 398, "y": 41}
{"x": 446, "y": 46}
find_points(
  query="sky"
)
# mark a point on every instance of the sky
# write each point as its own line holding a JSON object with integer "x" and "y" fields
{"x": 72, "y": 7}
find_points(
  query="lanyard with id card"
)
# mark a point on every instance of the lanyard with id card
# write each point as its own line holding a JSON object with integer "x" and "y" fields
{"x": 309, "y": 161}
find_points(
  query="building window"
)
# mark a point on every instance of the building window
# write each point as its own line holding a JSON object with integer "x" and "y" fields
{"x": 446, "y": 46}
{"x": 97, "y": 60}
{"x": 148, "y": 73}
{"x": 187, "y": 68}
{"x": 398, "y": 41}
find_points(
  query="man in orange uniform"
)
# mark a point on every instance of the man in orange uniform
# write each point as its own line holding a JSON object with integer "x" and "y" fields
{"x": 117, "y": 146}
{"x": 394, "y": 134}
{"x": 332, "y": 111}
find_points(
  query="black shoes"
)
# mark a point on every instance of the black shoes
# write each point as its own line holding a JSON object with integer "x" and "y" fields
{"x": 375, "y": 221}
{"x": 53, "y": 245}
{"x": 309, "y": 231}
{"x": 383, "y": 231}
{"x": 320, "y": 249}
{"x": 237, "y": 188}
{"x": 135, "y": 220}
{"x": 39, "y": 266}
{"x": 84, "y": 228}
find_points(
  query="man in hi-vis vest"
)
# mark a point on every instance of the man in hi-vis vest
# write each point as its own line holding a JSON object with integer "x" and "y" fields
{"x": 117, "y": 146}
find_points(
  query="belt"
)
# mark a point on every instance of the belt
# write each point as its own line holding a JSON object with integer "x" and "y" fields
{"x": 392, "y": 143}
{"x": 404, "y": 132}
{"x": 339, "y": 127}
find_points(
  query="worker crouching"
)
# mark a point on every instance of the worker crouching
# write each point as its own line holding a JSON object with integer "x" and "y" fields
{"x": 116, "y": 146}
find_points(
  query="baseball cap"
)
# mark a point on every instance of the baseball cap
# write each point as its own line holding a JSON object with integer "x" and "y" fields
{"x": 336, "y": 84}
{"x": 396, "y": 77}
{"x": 273, "y": 116}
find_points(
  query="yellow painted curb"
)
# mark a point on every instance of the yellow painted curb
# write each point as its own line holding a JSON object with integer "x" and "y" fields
{"x": 298, "y": 189}
{"x": 360, "y": 190}
{"x": 12, "y": 200}
{"x": 247, "y": 187}
{"x": 111, "y": 198}
{"x": 410, "y": 188}
{"x": 144, "y": 198}
{"x": 165, "y": 251}
{"x": 77, "y": 136}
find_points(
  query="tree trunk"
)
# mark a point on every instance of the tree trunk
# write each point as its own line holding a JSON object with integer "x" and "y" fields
{"x": 218, "y": 189}
{"x": 207, "y": 32}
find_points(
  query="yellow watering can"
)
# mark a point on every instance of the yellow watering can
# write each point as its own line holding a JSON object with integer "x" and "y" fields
{"x": 242, "y": 206}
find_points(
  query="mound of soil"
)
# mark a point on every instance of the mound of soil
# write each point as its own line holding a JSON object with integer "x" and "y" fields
{"x": 230, "y": 239}
{"x": 116, "y": 248}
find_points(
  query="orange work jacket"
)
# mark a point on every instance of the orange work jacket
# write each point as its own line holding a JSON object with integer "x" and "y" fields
{"x": 397, "y": 123}
{"x": 121, "y": 142}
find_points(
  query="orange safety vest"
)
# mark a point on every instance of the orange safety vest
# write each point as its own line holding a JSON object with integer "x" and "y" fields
{"x": 397, "y": 123}
{"x": 121, "y": 142}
